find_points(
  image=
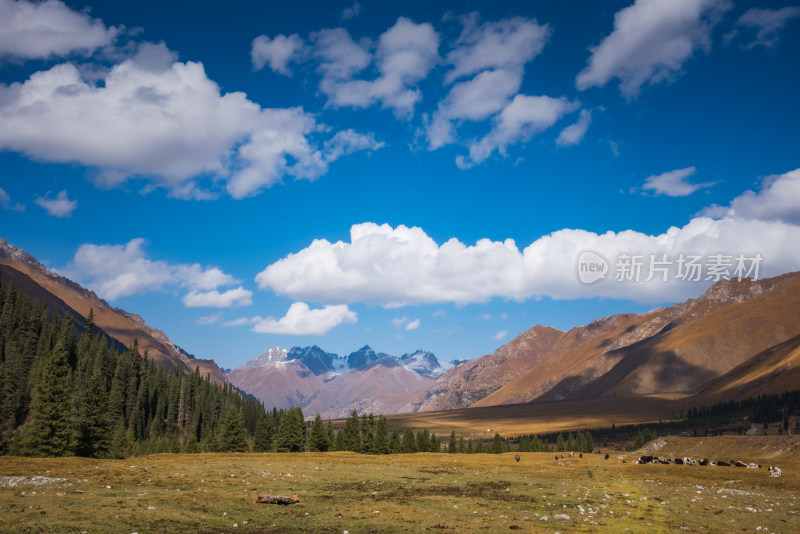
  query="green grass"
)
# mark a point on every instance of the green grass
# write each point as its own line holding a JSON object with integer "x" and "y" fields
{"x": 397, "y": 493}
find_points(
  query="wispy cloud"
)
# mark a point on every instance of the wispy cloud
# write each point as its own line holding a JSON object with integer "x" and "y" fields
{"x": 60, "y": 206}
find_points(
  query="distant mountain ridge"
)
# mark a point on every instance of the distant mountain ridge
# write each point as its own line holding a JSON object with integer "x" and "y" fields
{"x": 332, "y": 384}
{"x": 739, "y": 337}
{"x": 62, "y": 295}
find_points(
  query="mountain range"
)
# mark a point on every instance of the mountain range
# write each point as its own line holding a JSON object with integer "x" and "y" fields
{"x": 738, "y": 339}
{"x": 334, "y": 385}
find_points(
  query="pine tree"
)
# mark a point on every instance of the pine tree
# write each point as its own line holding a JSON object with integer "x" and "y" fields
{"x": 352, "y": 433}
{"x": 52, "y": 426}
{"x": 395, "y": 442}
{"x": 497, "y": 444}
{"x": 452, "y": 445}
{"x": 434, "y": 445}
{"x": 318, "y": 440}
{"x": 264, "y": 438}
{"x": 232, "y": 436}
{"x": 409, "y": 443}
{"x": 588, "y": 442}
{"x": 340, "y": 444}
{"x": 423, "y": 440}
{"x": 291, "y": 431}
{"x": 330, "y": 434}
{"x": 93, "y": 425}
{"x": 381, "y": 443}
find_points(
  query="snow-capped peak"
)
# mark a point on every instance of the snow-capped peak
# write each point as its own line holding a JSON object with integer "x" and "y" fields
{"x": 275, "y": 354}
{"x": 423, "y": 363}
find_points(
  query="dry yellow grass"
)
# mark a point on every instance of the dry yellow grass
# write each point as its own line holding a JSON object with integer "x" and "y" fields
{"x": 398, "y": 493}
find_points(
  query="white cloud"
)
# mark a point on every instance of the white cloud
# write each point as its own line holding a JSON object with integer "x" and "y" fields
{"x": 209, "y": 319}
{"x": 475, "y": 100}
{"x": 233, "y": 298}
{"x": 500, "y": 335}
{"x": 399, "y": 321}
{"x": 115, "y": 271}
{"x": 573, "y": 134}
{"x": 171, "y": 125}
{"x": 496, "y": 53}
{"x": 779, "y": 200}
{"x": 651, "y": 41}
{"x": 300, "y": 320}
{"x": 61, "y": 206}
{"x": 242, "y": 321}
{"x": 43, "y": 30}
{"x": 674, "y": 184}
{"x": 518, "y": 122}
{"x": 401, "y": 266}
{"x": 278, "y": 52}
{"x": 351, "y": 12}
{"x": 485, "y": 317}
{"x": 347, "y": 142}
{"x": 404, "y": 56}
{"x": 5, "y": 202}
{"x": 413, "y": 325}
{"x": 506, "y": 44}
{"x": 767, "y": 24}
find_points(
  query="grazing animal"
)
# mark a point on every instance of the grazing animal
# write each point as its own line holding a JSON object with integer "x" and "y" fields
{"x": 775, "y": 471}
{"x": 753, "y": 466}
{"x": 703, "y": 462}
{"x": 606, "y": 456}
{"x": 678, "y": 461}
{"x": 571, "y": 454}
{"x": 646, "y": 460}
{"x": 723, "y": 463}
{"x": 516, "y": 457}
{"x": 580, "y": 455}
{"x": 664, "y": 461}
{"x": 556, "y": 457}
{"x": 737, "y": 463}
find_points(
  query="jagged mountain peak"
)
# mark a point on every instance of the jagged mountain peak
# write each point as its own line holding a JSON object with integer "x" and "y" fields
{"x": 423, "y": 362}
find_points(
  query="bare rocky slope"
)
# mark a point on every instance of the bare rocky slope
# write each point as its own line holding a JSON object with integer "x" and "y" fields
{"x": 677, "y": 349}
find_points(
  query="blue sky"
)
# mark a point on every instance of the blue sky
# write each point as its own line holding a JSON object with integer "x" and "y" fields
{"x": 421, "y": 175}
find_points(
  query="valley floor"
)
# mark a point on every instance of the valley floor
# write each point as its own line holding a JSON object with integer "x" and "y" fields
{"x": 406, "y": 493}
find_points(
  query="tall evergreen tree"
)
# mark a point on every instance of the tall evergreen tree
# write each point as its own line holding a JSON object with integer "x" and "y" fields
{"x": 291, "y": 431}
{"x": 497, "y": 444}
{"x": 51, "y": 430}
{"x": 318, "y": 439}
{"x": 381, "y": 443}
{"x": 352, "y": 433}
{"x": 395, "y": 442}
{"x": 264, "y": 438}
{"x": 92, "y": 427}
{"x": 409, "y": 443}
{"x": 452, "y": 445}
{"x": 232, "y": 436}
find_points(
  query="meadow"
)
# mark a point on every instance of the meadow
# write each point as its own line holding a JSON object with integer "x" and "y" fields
{"x": 434, "y": 492}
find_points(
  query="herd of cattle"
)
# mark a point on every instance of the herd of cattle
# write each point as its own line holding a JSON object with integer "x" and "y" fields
{"x": 773, "y": 470}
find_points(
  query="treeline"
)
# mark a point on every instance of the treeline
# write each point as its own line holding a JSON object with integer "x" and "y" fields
{"x": 67, "y": 393}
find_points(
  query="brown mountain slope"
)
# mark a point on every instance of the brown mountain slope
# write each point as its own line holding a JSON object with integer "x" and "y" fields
{"x": 772, "y": 371}
{"x": 471, "y": 381}
{"x": 279, "y": 383}
{"x": 677, "y": 349}
{"x": 62, "y": 295}
{"x": 383, "y": 387}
